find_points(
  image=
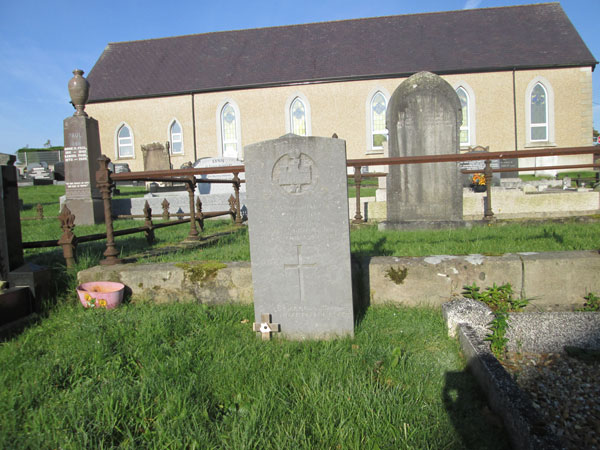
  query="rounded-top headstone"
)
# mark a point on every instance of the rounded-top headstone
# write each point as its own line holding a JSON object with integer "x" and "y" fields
{"x": 423, "y": 119}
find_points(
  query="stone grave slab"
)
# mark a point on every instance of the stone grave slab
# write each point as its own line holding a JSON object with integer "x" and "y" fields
{"x": 217, "y": 188}
{"x": 423, "y": 118}
{"x": 299, "y": 235}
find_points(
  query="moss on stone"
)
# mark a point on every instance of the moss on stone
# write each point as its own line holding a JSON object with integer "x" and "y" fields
{"x": 397, "y": 275}
{"x": 201, "y": 272}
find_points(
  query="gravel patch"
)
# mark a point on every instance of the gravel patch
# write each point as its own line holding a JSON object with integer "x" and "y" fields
{"x": 565, "y": 390}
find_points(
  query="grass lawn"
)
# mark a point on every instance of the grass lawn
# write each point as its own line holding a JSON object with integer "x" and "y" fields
{"x": 191, "y": 376}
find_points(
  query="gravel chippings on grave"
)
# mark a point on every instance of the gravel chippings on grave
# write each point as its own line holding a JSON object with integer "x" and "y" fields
{"x": 566, "y": 392}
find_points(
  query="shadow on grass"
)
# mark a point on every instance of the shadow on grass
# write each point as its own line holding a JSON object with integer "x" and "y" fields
{"x": 462, "y": 398}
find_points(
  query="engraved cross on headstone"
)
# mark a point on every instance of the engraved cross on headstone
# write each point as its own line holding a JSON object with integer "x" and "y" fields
{"x": 299, "y": 266}
{"x": 295, "y": 174}
{"x": 265, "y": 327}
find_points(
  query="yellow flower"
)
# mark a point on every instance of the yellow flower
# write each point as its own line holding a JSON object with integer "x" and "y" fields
{"x": 479, "y": 179}
{"x": 102, "y": 303}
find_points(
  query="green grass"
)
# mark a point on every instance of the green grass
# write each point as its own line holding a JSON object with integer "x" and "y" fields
{"x": 191, "y": 376}
{"x": 368, "y": 186}
{"x": 496, "y": 238}
{"x": 493, "y": 239}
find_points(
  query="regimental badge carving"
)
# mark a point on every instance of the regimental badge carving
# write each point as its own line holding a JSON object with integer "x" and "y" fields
{"x": 295, "y": 173}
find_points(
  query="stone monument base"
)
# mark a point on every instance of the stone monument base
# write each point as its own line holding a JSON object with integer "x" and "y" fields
{"x": 422, "y": 225}
{"x": 86, "y": 211}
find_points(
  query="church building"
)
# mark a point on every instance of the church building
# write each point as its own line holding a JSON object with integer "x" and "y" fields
{"x": 522, "y": 73}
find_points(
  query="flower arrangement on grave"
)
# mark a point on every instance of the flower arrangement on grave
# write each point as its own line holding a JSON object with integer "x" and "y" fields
{"x": 478, "y": 179}
{"x": 478, "y": 182}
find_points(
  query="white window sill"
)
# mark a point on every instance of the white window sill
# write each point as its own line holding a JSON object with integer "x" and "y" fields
{"x": 541, "y": 144}
{"x": 374, "y": 151}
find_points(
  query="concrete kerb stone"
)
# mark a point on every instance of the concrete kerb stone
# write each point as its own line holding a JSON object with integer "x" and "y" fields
{"x": 556, "y": 278}
{"x": 546, "y": 278}
{"x": 206, "y": 282}
{"x": 432, "y": 280}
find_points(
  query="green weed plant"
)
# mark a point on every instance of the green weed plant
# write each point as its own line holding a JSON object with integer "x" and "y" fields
{"x": 501, "y": 300}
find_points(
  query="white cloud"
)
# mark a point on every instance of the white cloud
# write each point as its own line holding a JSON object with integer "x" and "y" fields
{"x": 470, "y": 4}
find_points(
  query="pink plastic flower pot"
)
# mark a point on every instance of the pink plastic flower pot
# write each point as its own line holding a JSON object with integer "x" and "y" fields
{"x": 101, "y": 294}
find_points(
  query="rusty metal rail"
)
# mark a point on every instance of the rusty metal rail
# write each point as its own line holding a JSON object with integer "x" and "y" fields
{"x": 106, "y": 180}
{"x": 358, "y": 164}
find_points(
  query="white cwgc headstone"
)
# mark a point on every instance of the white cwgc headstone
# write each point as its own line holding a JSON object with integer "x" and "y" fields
{"x": 299, "y": 235}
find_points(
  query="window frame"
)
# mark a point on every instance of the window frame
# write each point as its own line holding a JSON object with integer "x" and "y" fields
{"x": 550, "y": 122}
{"x": 307, "y": 112}
{"x": 471, "y": 113}
{"x": 118, "y": 142}
{"x": 221, "y": 130}
{"x": 171, "y": 139}
{"x": 370, "y": 148}
{"x": 537, "y": 125}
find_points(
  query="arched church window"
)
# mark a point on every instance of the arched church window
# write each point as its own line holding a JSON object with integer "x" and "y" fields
{"x": 176, "y": 138}
{"x": 125, "y": 142}
{"x": 298, "y": 117}
{"x": 379, "y": 133}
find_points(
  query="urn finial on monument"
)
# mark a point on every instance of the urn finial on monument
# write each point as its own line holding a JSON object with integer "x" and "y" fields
{"x": 79, "y": 89}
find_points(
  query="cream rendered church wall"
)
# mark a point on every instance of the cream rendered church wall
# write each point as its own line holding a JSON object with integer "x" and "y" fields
{"x": 342, "y": 108}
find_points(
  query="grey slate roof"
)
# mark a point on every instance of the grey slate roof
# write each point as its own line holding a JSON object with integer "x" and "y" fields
{"x": 489, "y": 39}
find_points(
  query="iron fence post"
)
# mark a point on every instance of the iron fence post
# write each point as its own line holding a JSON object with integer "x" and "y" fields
{"x": 358, "y": 218}
{"x": 488, "y": 214}
{"x": 236, "y": 188}
{"x": 148, "y": 223}
{"x": 67, "y": 240}
{"x": 105, "y": 184}
{"x": 191, "y": 188}
{"x": 199, "y": 214}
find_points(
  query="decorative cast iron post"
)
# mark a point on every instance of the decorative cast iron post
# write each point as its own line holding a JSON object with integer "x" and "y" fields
{"x": 165, "y": 210}
{"x": 488, "y": 214}
{"x": 231, "y": 202}
{"x": 358, "y": 218}
{"x": 67, "y": 240}
{"x": 105, "y": 185}
{"x": 199, "y": 214}
{"x": 236, "y": 188}
{"x": 191, "y": 188}
{"x": 148, "y": 223}
{"x": 40, "y": 211}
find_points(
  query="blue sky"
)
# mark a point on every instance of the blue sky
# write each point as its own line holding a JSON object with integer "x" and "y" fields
{"x": 41, "y": 42}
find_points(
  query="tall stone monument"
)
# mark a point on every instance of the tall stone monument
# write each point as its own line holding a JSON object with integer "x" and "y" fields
{"x": 82, "y": 150}
{"x": 299, "y": 236}
{"x": 424, "y": 118}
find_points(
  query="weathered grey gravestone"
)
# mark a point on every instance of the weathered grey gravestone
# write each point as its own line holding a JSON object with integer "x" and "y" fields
{"x": 424, "y": 118}
{"x": 299, "y": 235}
{"x": 27, "y": 283}
{"x": 11, "y": 247}
{"x": 82, "y": 150}
{"x": 156, "y": 157}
